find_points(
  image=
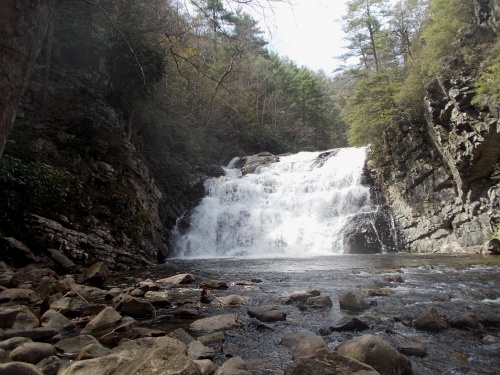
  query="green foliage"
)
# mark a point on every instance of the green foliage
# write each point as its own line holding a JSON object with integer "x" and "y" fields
{"x": 488, "y": 83}
{"x": 33, "y": 185}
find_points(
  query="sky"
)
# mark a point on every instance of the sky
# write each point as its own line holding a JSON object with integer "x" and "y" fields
{"x": 306, "y": 31}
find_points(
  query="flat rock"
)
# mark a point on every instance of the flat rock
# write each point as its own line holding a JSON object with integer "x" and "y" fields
{"x": 377, "y": 353}
{"x": 214, "y": 338}
{"x": 267, "y": 313}
{"x": 233, "y": 300}
{"x": 215, "y": 323}
{"x": 41, "y": 333}
{"x": 181, "y": 335}
{"x": 214, "y": 284}
{"x": 329, "y": 363}
{"x": 184, "y": 278}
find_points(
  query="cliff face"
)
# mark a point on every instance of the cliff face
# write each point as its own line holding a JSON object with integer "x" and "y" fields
{"x": 107, "y": 209}
{"x": 444, "y": 181}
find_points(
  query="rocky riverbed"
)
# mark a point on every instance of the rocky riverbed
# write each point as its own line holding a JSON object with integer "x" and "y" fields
{"x": 370, "y": 314}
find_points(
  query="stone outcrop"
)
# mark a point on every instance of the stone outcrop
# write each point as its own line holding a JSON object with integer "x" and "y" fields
{"x": 443, "y": 180}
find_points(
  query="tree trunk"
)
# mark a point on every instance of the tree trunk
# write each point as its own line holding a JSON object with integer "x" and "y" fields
{"x": 23, "y": 24}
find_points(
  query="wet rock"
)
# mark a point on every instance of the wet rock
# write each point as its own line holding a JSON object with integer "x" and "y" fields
{"x": 184, "y": 278}
{"x": 291, "y": 339}
{"x": 157, "y": 298}
{"x": 395, "y": 279}
{"x": 53, "y": 319}
{"x": 329, "y": 363}
{"x": 248, "y": 164}
{"x": 301, "y": 297}
{"x": 49, "y": 365}
{"x": 490, "y": 320}
{"x": 71, "y": 347}
{"x": 233, "y": 366}
{"x": 187, "y": 312}
{"x": 182, "y": 336}
{"x": 380, "y": 292}
{"x": 17, "y": 253}
{"x": 6, "y": 275}
{"x": 93, "y": 351}
{"x": 96, "y": 275}
{"x": 233, "y": 300}
{"x": 214, "y": 338}
{"x": 412, "y": 348}
{"x": 465, "y": 321}
{"x": 13, "y": 342}
{"x": 493, "y": 246}
{"x": 267, "y": 313}
{"x": 206, "y": 366}
{"x": 349, "y": 324}
{"x": 214, "y": 284}
{"x": 430, "y": 320}
{"x": 353, "y": 301}
{"x": 148, "y": 286}
{"x": 319, "y": 302}
{"x": 377, "y": 353}
{"x": 135, "y": 307}
{"x": 32, "y": 352}
{"x": 196, "y": 350}
{"x": 69, "y": 307}
{"x": 308, "y": 346}
{"x": 215, "y": 323}
{"x": 40, "y": 334}
{"x": 19, "y": 368}
{"x": 103, "y": 323}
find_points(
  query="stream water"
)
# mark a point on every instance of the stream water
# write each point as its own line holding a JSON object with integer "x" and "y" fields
{"x": 282, "y": 228}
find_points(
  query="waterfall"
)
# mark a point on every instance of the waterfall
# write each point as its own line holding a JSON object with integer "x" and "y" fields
{"x": 297, "y": 207}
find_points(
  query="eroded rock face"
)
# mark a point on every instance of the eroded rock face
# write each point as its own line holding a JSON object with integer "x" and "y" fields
{"x": 443, "y": 182}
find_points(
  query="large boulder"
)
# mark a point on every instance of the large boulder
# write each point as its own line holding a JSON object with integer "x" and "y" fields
{"x": 377, "y": 353}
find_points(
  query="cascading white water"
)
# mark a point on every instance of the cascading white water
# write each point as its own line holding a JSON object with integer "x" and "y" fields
{"x": 296, "y": 207}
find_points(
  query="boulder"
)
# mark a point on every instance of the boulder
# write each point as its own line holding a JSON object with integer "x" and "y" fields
{"x": 40, "y": 333}
{"x": 32, "y": 352}
{"x": 136, "y": 307}
{"x": 17, "y": 253}
{"x": 61, "y": 260}
{"x": 17, "y": 316}
{"x": 214, "y": 284}
{"x": 53, "y": 319}
{"x": 348, "y": 323}
{"x": 206, "y": 366}
{"x": 49, "y": 286}
{"x": 19, "y": 296}
{"x": 493, "y": 246}
{"x": 465, "y": 321}
{"x": 157, "y": 298}
{"x": 184, "y": 278}
{"x": 353, "y": 301}
{"x": 50, "y": 365}
{"x": 19, "y": 368}
{"x": 377, "y": 353}
{"x": 308, "y": 346}
{"x": 69, "y": 307}
{"x": 380, "y": 292}
{"x": 31, "y": 275}
{"x": 182, "y": 336}
{"x": 215, "y": 323}
{"x": 71, "y": 347}
{"x": 196, "y": 350}
{"x": 329, "y": 363}
{"x": 96, "y": 275}
{"x": 107, "y": 320}
{"x": 430, "y": 320}
{"x": 93, "y": 351}
{"x": 266, "y": 313}
{"x": 301, "y": 297}
{"x": 412, "y": 348}
{"x": 214, "y": 338}
{"x": 233, "y": 300}
{"x": 319, "y": 302}
{"x": 148, "y": 286}
{"x": 6, "y": 275}
{"x": 291, "y": 339}
{"x": 13, "y": 342}
{"x": 233, "y": 366}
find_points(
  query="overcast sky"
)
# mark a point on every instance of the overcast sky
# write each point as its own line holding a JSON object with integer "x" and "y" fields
{"x": 306, "y": 31}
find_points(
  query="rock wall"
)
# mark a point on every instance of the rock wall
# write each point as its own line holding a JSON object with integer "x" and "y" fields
{"x": 443, "y": 183}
